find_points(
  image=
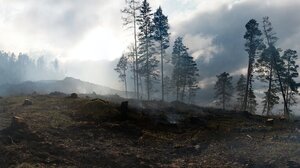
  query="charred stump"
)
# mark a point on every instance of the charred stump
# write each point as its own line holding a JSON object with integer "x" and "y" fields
{"x": 124, "y": 109}
{"x": 18, "y": 123}
{"x": 27, "y": 102}
{"x": 270, "y": 122}
{"x": 74, "y": 96}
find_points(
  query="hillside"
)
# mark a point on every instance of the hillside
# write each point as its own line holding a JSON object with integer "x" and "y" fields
{"x": 67, "y": 85}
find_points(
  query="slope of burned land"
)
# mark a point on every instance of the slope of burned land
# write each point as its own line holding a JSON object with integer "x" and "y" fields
{"x": 58, "y": 131}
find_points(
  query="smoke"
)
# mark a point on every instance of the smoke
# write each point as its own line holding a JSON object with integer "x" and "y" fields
{"x": 22, "y": 67}
{"x": 98, "y": 72}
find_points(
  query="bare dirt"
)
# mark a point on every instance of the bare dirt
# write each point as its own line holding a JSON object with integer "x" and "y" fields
{"x": 57, "y": 131}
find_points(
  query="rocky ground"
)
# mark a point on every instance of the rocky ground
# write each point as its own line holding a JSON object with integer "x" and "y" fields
{"x": 58, "y": 131}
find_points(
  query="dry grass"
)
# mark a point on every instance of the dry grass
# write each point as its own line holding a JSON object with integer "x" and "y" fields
{"x": 28, "y": 165}
{"x": 97, "y": 110}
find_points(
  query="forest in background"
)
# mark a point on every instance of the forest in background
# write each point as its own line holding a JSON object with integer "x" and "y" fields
{"x": 22, "y": 67}
{"x": 147, "y": 57}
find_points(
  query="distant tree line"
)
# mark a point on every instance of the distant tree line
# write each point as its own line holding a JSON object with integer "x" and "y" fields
{"x": 147, "y": 57}
{"x": 21, "y": 67}
{"x": 270, "y": 65}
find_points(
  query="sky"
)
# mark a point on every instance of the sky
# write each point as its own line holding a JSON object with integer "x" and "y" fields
{"x": 88, "y": 35}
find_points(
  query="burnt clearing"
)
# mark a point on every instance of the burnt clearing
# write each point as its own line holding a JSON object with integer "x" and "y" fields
{"x": 59, "y": 131}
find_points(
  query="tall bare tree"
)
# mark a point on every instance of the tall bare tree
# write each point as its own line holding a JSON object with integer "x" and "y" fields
{"x": 276, "y": 61}
{"x": 130, "y": 13}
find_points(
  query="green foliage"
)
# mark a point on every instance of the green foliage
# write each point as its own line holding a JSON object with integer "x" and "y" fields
{"x": 253, "y": 38}
{"x": 147, "y": 60}
{"x": 252, "y": 104}
{"x": 161, "y": 35}
{"x": 223, "y": 89}
{"x": 121, "y": 68}
{"x": 268, "y": 32}
{"x": 291, "y": 72}
{"x": 241, "y": 90}
{"x": 253, "y": 46}
{"x": 168, "y": 86}
{"x": 185, "y": 72}
{"x": 268, "y": 74}
{"x": 271, "y": 68}
{"x": 270, "y": 99}
{"x": 161, "y": 29}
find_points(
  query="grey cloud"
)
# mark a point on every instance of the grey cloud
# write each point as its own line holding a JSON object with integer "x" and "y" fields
{"x": 62, "y": 22}
{"x": 65, "y": 22}
{"x": 227, "y": 28}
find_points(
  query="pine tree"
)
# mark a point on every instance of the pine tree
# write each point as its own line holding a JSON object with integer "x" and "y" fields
{"x": 121, "y": 68}
{"x": 147, "y": 58}
{"x": 132, "y": 63}
{"x": 271, "y": 94}
{"x": 168, "y": 87}
{"x": 291, "y": 72}
{"x": 177, "y": 61}
{"x": 130, "y": 13}
{"x": 252, "y": 46}
{"x": 192, "y": 93}
{"x": 192, "y": 78}
{"x": 223, "y": 89}
{"x": 161, "y": 34}
{"x": 271, "y": 69}
{"x": 241, "y": 90}
{"x": 252, "y": 104}
{"x": 266, "y": 73}
{"x": 185, "y": 72}
{"x": 275, "y": 61}
{"x": 271, "y": 98}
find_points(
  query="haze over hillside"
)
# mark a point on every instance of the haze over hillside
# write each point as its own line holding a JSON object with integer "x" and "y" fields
{"x": 85, "y": 39}
{"x": 68, "y": 85}
{"x": 150, "y": 83}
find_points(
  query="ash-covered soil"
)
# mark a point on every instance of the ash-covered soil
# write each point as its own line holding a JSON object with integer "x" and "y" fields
{"x": 57, "y": 131}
